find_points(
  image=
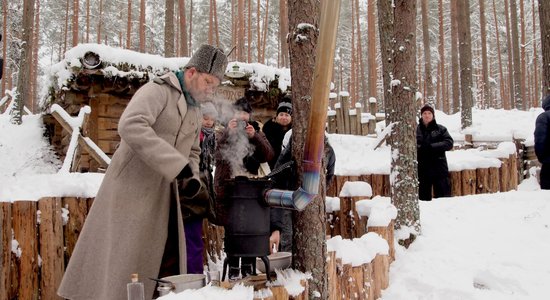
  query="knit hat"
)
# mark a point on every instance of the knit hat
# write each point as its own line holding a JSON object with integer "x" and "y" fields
{"x": 209, "y": 59}
{"x": 208, "y": 109}
{"x": 284, "y": 107}
{"x": 242, "y": 105}
{"x": 427, "y": 107}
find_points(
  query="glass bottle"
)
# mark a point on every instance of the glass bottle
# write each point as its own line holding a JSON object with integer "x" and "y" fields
{"x": 135, "y": 289}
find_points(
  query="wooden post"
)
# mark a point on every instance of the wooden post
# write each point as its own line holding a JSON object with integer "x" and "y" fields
{"x": 5, "y": 249}
{"x": 513, "y": 171}
{"x": 377, "y": 185}
{"x": 372, "y": 121}
{"x": 340, "y": 128}
{"x": 332, "y": 122}
{"x": 345, "y": 217}
{"x": 24, "y": 228}
{"x": 482, "y": 181}
{"x": 78, "y": 210}
{"x": 494, "y": 180}
{"x": 504, "y": 175}
{"x": 456, "y": 183}
{"x": 381, "y": 274}
{"x": 51, "y": 247}
{"x": 331, "y": 273}
{"x": 468, "y": 182}
{"x": 353, "y": 122}
{"x": 344, "y": 100}
{"x": 387, "y": 234}
{"x": 368, "y": 280}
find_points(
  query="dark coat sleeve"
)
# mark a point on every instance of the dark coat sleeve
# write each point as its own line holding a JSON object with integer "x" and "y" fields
{"x": 445, "y": 142}
{"x": 542, "y": 148}
{"x": 331, "y": 163}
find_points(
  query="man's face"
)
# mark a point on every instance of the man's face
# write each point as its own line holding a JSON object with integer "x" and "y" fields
{"x": 427, "y": 117}
{"x": 201, "y": 86}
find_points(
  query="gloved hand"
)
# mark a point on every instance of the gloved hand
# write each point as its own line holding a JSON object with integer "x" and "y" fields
{"x": 186, "y": 172}
{"x": 189, "y": 187}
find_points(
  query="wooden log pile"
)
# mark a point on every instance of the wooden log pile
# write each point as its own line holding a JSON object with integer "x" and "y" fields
{"x": 44, "y": 239}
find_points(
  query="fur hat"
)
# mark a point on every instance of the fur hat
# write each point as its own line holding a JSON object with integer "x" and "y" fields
{"x": 427, "y": 107}
{"x": 284, "y": 107}
{"x": 242, "y": 105}
{"x": 209, "y": 59}
{"x": 208, "y": 109}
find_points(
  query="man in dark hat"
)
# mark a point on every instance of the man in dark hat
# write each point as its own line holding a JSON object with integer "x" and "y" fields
{"x": 542, "y": 143}
{"x": 432, "y": 141}
{"x": 135, "y": 224}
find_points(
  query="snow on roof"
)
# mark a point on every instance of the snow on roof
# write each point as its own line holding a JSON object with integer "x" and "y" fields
{"x": 123, "y": 62}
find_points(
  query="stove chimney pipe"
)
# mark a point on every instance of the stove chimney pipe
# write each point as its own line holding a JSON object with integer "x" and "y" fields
{"x": 314, "y": 145}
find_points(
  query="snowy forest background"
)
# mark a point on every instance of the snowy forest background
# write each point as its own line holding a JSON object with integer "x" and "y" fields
{"x": 259, "y": 29}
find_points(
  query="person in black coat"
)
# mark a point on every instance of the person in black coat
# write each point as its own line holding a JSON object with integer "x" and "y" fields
{"x": 281, "y": 219}
{"x": 276, "y": 128}
{"x": 432, "y": 141}
{"x": 542, "y": 143}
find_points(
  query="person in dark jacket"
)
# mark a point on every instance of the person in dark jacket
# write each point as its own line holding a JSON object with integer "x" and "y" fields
{"x": 276, "y": 127}
{"x": 542, "y": 143}
{"x": 240, "y": 149}
{"x": 432, "y": 140}
{"x": 281, "y": 219}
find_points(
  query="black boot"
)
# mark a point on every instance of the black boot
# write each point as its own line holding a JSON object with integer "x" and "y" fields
{"x": 234, "y": 273}
{"x": 246, "y": 269}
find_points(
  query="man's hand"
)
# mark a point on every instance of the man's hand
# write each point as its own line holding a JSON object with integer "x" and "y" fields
{"x": 274, "y": 240}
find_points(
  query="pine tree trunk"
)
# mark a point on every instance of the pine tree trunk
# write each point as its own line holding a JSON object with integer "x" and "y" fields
{"x": 169, "y": 29}
{"x": 485, "y": 86}
{"x": 465, "y": 50}
{"x": 190, "y": 27}
{"x": 523, "y": 69}
{"x": 536, "y": 91}
{"x": 66, "y": 29}
{"x": 142, "y": 26}
{"x": 544, "y": 19}
{"x": 309, "y": 228}
{"x": 129, "y": 26}
{"x": 76, "y": 14}
{"x": 401, "y": 113}
{"x": 184, "y": 50}
{"x": 510, "y": 55}
{"x": 87, "y": 21}
{"x": 442, "y": 73}
{"x": 35, "y": 64}
{"x": 283, "y": 33}
{"x": 385, "y": 28}
{"x": 361, "y": 78}
{"x": 249, "y": 31}
{"x": 499, "y": 55}
{"x": 455, "y": 75}
{"x": 429, "y": 92}
{"x": 4, "y": 47}
{"x": 372, "y": 63}
{"x": 100, "y": 22}
{"x": 264, "y": 31}
{"x": 518, "y": 92}
{"x": 22, "y": 95}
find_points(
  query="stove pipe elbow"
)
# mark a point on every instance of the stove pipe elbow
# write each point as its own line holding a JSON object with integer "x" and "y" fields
{"x": 299, "y": 199}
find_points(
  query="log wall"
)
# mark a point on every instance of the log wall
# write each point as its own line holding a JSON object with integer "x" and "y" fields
{"x": 46, "y": 241}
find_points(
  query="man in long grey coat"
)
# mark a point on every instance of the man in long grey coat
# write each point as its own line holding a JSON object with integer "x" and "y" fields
{"x": 127, "y": 228}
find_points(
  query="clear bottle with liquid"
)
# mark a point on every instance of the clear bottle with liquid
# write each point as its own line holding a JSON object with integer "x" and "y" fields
{"x": 135, "y": 289}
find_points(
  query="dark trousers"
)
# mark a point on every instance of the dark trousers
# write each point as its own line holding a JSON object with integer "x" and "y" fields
{"x": 545, "y": 177}
{"x": 441, "y": 187}
{"x": 194, "y": 246}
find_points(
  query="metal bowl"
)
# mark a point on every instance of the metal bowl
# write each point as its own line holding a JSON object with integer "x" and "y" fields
{"x": 279, "y": 260}
{"x": 186, "y": 281}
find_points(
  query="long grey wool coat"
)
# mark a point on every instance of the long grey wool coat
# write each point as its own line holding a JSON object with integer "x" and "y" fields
{"x": 126, "y": 229}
